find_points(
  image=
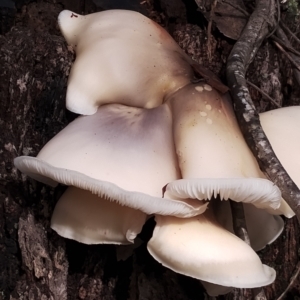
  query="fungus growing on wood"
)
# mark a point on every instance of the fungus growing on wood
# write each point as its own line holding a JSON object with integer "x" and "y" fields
{"x": 125, "y": 154}
{"x": 89, "y": 219}
{"x": 282, "y": 128}
{"x": 136, "y": 64}
{"x": 263, "y": 228}
{"x": 121, "y": 153}
{"x": 199, "y": 247}
{"x": 213, "y": 156}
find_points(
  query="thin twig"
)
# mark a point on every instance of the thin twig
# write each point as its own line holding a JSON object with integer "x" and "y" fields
{"x": 293, "y": 279}
{"x": 212, "y": 11}
{"x": 286, "y": 29}
{"x": 240, "y": 230}
{"x": 263, "y": 93}
{"x": 280, "y": 34}
{"x": 294, "y": 63}
{"x": 284, "y": 45}
{"x": 239, "y": 221}
{"x": 278, "y": 20}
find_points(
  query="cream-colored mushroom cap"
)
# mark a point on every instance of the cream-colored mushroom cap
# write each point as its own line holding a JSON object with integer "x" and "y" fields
{"x": 121, "y": 153}
{"x": 212, "y": 153}
{"x": 215, "y": 290}
{"x": 282, "y": 127}
{"x": 199, "y": 247}
{"x": 121, "y": 57}
{"x": 89, "y": 219}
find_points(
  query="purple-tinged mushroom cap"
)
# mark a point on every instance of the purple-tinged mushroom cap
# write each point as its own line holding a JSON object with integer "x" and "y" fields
{"x": 121, "y": 153}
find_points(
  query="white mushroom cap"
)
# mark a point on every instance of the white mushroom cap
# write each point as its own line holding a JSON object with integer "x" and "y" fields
{"x": 136, "y": 64}
{"x": 212, "y": 153}
{"x": 121, "y": 153}
{"x": 89, "y": 219}
{"x": 199, "y": 247}
{"x": 282, "y": 127}
{"x": 262, "y": 227}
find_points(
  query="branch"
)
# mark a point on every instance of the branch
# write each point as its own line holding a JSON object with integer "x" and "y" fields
{"x": 239, "y": 59}
{"x": 239, "y": 221}
{"x": 240, "y": 230}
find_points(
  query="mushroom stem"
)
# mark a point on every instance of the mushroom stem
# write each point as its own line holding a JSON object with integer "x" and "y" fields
{"x": 240, "y": 229}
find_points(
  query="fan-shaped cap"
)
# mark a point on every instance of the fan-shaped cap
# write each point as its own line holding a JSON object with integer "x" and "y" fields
{"x": 262, "y": 193}
{"x": 89, "y": 219}
{"x": 199, "y": 247}
{"x": 121, "y": 57}
{"x": 212, "y": 153}
{"x": 282, "y": 129}
{"x": 121, "y": 153}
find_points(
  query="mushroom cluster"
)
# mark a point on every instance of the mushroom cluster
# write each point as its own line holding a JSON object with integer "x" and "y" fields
{"x": 151, "y": 142}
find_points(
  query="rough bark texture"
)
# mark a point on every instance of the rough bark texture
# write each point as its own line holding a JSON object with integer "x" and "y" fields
{"x": 35, "y": 262}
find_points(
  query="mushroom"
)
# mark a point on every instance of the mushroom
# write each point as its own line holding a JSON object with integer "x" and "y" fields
{"x": 213, "y": 156}
{"x": 282, "y": 129}
{"x": 121, "y": 153}
{"x": 199, "y": 247}
{"x": 138, "y": 64}
{"x": 86, "y": 218}
{"x": 211, "y": 166}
